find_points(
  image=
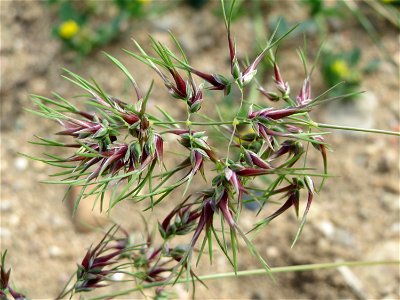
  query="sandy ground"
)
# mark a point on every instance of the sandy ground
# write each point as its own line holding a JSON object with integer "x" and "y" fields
{"x": 356, "y": 216}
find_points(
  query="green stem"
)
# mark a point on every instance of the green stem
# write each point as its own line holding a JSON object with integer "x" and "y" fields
{"x": 298, "y": 268}
{"x": 192, "y": 123}
{"x": 235, "y": 123}
{"x": 321, "y": 125}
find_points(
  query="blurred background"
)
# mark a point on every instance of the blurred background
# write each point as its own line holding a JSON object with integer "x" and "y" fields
{"x": 356, "y": 216}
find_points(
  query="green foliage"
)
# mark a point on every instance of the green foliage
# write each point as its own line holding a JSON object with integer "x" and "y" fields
{"x": 84, "y": 26}
{"x": 319, "y": 8}
{"x": 343, "y": 68}
{"x": 197, "y": 3}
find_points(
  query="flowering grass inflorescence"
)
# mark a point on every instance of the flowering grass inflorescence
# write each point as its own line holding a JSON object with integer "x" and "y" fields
{"x": 117, "y": 145}
{"x": 5, "y": 284}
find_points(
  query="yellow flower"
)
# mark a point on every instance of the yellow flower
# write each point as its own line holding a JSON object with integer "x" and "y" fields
{"x": 341, "y": 68}
{"x": 68, "y": 29}
{"x": 144, "y": 2}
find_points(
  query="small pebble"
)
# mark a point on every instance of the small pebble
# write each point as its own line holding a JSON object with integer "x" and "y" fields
{"x": 336, "y": 234}
{"x": 165, "y": 23}
{"x": 118, "y": 276}
{"x": 391, "y": 200}
{"x": 5, "y": 232}
{"x": 5, "y": 206}
{"x": 21, "y": 163}
{"x": 344, "y": 237}
{"x": 395, "y": 228}
{"x": 353, "y": 281}
{"x": 327, "y": 229}
{"x": 272, "y": 252}
{"x": 57, "y": 222}
{"x": 54, "y": 251}
{"x": 14, "y": 220}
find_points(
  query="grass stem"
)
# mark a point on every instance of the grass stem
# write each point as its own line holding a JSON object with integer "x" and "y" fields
{"x": 286, "y": 269}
